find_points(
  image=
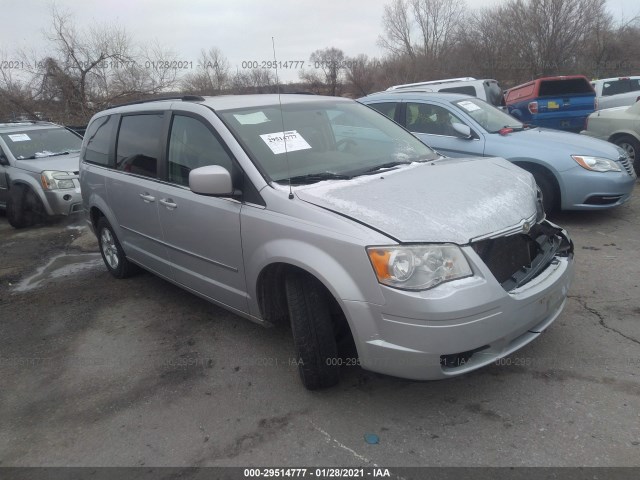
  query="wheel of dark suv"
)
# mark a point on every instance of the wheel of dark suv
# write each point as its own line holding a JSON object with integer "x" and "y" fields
{"x": 24, "y": 208}
{"x": 548, "y": 189}
{"x": 632, "y": 147}
{"x": 112, "y": 253}
{"x": 313, "y": 334}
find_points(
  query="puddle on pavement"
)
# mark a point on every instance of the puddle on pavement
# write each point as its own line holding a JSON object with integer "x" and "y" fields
{"x": 60, "y": 266}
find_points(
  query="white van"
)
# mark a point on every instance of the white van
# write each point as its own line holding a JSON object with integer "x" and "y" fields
{"x": 487, "y": 89}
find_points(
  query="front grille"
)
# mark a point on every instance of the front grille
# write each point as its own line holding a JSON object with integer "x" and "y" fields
{"x": 626, "y": 163}
{"x": 516, "y": 259}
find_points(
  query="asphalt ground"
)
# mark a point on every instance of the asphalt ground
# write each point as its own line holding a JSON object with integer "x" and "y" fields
{"x": 102, "y": 372}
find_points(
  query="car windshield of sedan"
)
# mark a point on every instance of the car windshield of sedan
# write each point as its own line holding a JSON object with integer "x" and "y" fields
{"x": 489, "y": 117}
{"x": 322, "y": 140}
{"x": 40, "y": 143}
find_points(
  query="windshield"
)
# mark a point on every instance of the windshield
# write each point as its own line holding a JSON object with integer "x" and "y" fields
{"x": 45, "y": 142}
{"x": 489, "y": 117}
{"x": 323, "y": 140}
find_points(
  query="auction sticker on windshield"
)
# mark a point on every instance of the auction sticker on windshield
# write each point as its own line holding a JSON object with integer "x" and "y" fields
{"x": 19, "y": 137}
{"x": 469, "y": 106}
{"x": 291, "y": 139}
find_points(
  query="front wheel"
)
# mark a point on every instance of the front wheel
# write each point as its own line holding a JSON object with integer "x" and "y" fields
{"x": 24, "y": 208}
{"x": 548, "y": 189}
{"x": 111, "y": 250}
{"x": 313, "y": 334}
{"x": 632, "y": 147}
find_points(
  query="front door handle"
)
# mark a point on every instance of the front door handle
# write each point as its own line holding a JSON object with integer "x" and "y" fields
{"x": 168, "y": 202}
{"x": 147, "y": 198}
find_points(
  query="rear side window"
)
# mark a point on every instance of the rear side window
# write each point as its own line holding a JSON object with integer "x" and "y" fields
{"x": 192, "y": 145}
{"x": 467, "y": 90}
{"x": 386, "y": 108}
{"x": 98, "y": 138}
{"x": 615, "y": 87}
{"x": 570, "y": 86}
{"x": 138, "y": 146}
{"x": 430, "y": 119}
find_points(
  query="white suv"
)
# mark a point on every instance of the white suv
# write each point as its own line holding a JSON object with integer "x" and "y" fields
{"x": 487, "y": 89}
{"x": 616, "y": 92}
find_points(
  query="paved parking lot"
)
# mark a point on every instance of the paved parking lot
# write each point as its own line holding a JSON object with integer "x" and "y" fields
{"x": 102, "y": 372}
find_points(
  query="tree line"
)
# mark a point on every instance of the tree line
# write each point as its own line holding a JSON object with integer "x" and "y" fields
{"x": 88, "y": 69}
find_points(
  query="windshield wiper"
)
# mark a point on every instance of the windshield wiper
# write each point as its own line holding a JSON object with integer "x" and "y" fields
{"x": 314, "y": 177}
{"x": 33, "y": 157}
{"x": 377, "y": 168}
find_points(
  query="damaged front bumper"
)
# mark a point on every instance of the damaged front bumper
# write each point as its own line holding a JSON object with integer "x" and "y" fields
{"x": 465, "y": 324}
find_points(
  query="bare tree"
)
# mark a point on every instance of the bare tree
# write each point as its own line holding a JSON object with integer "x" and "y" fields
{"x": 551, "y": 34}
{"x": 421, "y": 32}
{"x": 329, "y": 65}
{"x": 82, "y": 58}
{"x": 437, "y": 21}
{"x": 256, "y": 80}
{"x": 361, "y": 73}
{"x": 212, "y": 76}
{"x": 89, "y": 68}
{"x": 396, "y": 23}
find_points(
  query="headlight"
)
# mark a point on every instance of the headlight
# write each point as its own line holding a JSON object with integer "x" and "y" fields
{"x": 418, "y": 267}
{"x": 597, "y": 164}
{"x": 54, "y": 180}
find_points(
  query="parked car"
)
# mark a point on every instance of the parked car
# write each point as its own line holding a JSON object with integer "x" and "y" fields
{"x": 38, "y": 172}
{"x": 573, "y": 172}
{"x": 616, "y": 92}
{"x": 321, "y": 212}
{"x": 488, "y": 90}
{"x": 619, "y": 125}
{"x": 561, "y": 103}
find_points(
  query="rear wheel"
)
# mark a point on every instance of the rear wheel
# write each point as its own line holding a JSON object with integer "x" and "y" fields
{"x": 112, "y": 253}
{"x": 313, "y": 333}
{"x": 632, "y": 147}
{"x": 24, "y": 208}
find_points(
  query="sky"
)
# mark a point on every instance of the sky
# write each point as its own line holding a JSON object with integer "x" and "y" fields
{"x": 241, "y": 29}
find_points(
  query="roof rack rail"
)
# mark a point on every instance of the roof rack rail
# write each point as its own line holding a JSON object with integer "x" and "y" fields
{"x": 184, "y": 98}
{"x": 432, "y": 82}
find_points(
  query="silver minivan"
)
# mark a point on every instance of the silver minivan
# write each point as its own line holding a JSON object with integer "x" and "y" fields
{"x": 323, "y": 213}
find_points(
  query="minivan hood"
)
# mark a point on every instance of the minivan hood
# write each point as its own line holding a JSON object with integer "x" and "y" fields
{"x": 450, "y": 200}
{"x": 543, "y": 140}
{"x": 64, "y": 163}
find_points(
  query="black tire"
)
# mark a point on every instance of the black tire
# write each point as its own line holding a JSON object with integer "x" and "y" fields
{"x": 312, "y": 328}
{"x": 632, "y": 147}
{"x": 24, "y": 208}
{"x": 549, "y": 191}
{"x": 111, "y": 251}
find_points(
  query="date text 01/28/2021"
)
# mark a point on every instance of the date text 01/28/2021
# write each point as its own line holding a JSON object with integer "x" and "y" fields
{"x": 325, "y": 472}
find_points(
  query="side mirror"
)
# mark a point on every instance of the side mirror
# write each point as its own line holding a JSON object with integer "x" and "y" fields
{"x": 211, "y": 180}
{"x": 464, "y": 131}
{"x": 3, "y": 159}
